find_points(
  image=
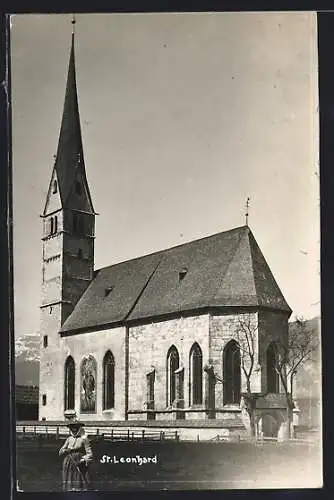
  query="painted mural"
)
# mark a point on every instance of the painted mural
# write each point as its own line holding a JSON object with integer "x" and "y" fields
{"x": 88, "y": 385}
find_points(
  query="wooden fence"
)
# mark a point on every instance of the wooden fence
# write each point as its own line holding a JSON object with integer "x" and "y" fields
{"x": 108, "y": 433}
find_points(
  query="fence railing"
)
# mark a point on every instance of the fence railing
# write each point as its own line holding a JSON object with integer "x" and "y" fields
{"x": 108, "y": 433}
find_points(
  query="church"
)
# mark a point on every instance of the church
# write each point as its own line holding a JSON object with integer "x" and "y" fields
{"x": 155, "y": 337}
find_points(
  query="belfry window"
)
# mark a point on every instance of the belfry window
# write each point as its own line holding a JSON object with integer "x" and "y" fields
{"x": 272, "y": 375}
{"x": 172, "y": 365}
{"x": 53, "y": 224}
{"x": 55, "y": 187}
{"x": 69, "y": 388}
{"x": 108, "y": 381}
{"x": 182, "y": 273}
{"x": 196, "y": 375}
{"x": 232, "y": 373}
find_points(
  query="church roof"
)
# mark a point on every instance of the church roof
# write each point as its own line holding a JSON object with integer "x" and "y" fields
{"x": 224, "y": 270}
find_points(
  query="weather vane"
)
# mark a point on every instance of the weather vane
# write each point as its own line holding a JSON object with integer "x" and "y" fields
{"x": 247, "y": 209}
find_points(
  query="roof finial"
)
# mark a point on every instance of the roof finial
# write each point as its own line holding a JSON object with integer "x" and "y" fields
{"x": 247, "y": 209}
{"x": 73, "y": 24}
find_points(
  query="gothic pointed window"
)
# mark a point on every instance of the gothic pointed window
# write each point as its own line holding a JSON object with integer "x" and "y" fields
{"x": 51, "y": 225}
{"x": 55, "y": 224}
{"x": 69, "y": 388}
{"x": 232, "y": 373}
{"x": 172, "y": 366}
{"x": 196, "y": 375}
{"x": 55, "y": 187}
{"x": 108, "y": 381}
{"x": 272, "y": 375}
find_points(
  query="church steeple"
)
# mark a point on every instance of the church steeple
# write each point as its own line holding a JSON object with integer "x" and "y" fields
{"x": 69, "y": 216}
{"x": 69, "y": 161}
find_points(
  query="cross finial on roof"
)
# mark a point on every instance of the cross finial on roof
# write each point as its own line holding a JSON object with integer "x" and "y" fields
{"x": 247, "y": 210}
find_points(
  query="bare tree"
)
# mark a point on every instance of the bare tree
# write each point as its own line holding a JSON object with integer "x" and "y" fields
{"x": 290, "y": 356}
{"x": 246, "y": 334}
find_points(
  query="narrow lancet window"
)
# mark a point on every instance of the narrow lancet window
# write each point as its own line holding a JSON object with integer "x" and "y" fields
{"x": 196, "y": 375}
{"x": 108, "y": 381}
{"x": 232, "y": 373}
{"x": 69, "y": 383}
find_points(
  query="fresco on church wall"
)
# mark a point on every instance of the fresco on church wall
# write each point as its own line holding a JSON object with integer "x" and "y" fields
{"x": 88, "y": 385}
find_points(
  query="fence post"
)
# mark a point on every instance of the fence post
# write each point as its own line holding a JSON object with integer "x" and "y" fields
{"x": 143, "y": 434}
{"x": 97, "y": 431}
{"x": 128, "y": 434}
{"x": 35, "y": 430}
{"x": 24, "y": 430}
{"x": 112, "y": 434}
{"x": 57, "y": 431}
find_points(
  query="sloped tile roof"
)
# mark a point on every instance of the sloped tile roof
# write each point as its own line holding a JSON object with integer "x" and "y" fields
{"x": 223, "y": 270}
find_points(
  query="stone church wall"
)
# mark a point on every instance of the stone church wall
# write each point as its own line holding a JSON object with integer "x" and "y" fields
{"x": 222, "y": 330}
{"x": 148, "y": 348}
{"x": 92, "y": 343}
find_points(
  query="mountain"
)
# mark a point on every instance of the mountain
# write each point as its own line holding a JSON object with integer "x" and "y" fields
{"x": 27, "y": 360}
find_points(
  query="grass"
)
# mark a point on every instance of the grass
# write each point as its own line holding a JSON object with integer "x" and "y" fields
{"x": 183, "y": 465}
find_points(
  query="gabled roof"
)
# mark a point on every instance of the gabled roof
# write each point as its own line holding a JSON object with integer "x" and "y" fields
{"x": 223, "y": 270}
{"x": 70, "y": 158}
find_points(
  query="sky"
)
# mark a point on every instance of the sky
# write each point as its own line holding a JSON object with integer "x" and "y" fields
{"x": 183, "y": 117}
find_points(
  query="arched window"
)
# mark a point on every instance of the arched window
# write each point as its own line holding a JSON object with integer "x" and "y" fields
{"x": 196, "y": 375}
{"x": 172, "y": 366}
{"x": 232, "y": 373}
{"x": 51, "y": 225}
{"x": 69, "y": 383}
{"x": 272, "y": 375}
{"x": 56, "y": 224}
{"x": 55, "y": 187}
{"x": 108, "y": 381}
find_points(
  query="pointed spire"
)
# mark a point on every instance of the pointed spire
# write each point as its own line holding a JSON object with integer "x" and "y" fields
{"x": 70, "y": 140}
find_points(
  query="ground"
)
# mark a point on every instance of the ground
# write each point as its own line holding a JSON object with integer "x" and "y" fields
{"x": 219, "y": 465}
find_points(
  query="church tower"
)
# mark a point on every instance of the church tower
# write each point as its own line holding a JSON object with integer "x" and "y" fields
{"x": 68, "y": 243}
